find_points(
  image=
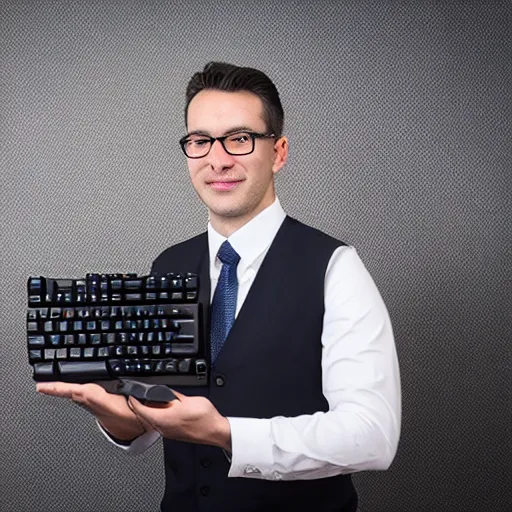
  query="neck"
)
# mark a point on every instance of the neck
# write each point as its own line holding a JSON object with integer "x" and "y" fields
{"x": 226, "y": 226}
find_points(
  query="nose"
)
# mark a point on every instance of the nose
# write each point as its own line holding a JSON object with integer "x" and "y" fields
{"x": 219, "y": 158}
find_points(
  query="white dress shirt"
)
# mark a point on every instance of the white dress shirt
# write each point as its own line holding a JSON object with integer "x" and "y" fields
{"x": 360, "y": 374}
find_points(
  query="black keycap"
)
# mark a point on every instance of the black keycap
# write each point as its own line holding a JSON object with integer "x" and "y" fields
{"x": 82, "y": 339}
{"x": 170, "y": 366}
{"x": 43, "y": 371}
{"x": 156, "y": 350}
{"x": 184, "y": 366}
{"x": 85, "y": 370}
{"x": 34, "y": 356}
{"x": 191, "y": 283}
{"x": 78, "y": 325}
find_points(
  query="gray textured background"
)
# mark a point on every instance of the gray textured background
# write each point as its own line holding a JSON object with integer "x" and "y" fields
{"x": 398, "y": 116}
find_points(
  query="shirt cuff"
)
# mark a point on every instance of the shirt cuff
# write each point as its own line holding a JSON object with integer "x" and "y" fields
{"x": 251, "y": 448}
{"x": 138, "y": 445}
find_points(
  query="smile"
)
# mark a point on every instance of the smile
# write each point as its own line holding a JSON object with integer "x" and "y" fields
{"x": 224, "y": 185}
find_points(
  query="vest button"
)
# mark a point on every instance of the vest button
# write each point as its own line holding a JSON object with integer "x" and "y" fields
{"x": 206, "y": 463}
{"x": 220, "y": 381}
{"x": 204, "y": 490}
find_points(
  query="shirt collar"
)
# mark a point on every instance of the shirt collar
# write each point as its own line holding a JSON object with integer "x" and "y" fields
{"x": 250, "y": 240}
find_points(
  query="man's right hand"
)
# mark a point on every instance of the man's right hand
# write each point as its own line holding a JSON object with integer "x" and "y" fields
{"x": 112, "y": 411}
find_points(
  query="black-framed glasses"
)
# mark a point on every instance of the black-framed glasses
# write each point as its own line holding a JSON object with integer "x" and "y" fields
{"x": 239, "y": 143}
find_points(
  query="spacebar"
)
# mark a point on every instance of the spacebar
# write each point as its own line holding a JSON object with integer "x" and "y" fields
{"x": 82, "y": 370}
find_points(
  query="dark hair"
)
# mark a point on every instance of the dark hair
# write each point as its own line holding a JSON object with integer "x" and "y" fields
{"x": 230, "y": 78}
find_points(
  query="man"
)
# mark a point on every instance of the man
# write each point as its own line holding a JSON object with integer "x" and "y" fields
{"x": 305, "y": 382}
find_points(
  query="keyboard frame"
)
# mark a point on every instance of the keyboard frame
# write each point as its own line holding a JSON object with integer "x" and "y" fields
{"x": 55, "y": 297}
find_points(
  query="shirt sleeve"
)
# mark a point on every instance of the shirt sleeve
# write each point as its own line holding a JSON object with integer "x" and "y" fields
{"x": 360, "y": 380}
{"x": 138, "y": 445}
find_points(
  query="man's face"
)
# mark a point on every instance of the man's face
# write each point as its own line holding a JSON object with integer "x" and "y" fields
{"x": 234, "y": 188}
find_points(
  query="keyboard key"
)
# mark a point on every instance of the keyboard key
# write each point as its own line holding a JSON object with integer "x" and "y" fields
{"x": 103, "y": 352}
{"x": 108, "y": 338}
{"x": 32, "y": 326}
{"x": 69, "y": 339}
{"x": 61, "y": 353}
{"x": 86, "y": 370}
{"x": 49, "y": 354}
{"x": 89, "y": 352}
{"x": 75, "y": 353}
{"x": 34, "y": 356}
{"x": 55, "y": 312}
{"x": 78, "y": 325}
{"x": 94, "y": 339}
{"x": 170, "y": 366}
{"x": 43, "y": 371}
{"x": 36, "y": 341}
{"x": 116, "y": 367}
{"x": 53, "y": 339}
{"x": 184, "y": 366}
{"x": 82, "y": 339}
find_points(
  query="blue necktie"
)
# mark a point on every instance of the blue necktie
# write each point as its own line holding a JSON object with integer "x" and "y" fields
{"x": 224, "y": 299}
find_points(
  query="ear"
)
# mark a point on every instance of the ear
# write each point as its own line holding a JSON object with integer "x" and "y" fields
{"x": 281, "y": 154}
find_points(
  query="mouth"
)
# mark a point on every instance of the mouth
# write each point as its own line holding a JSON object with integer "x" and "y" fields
{"x": 223, "y": 184}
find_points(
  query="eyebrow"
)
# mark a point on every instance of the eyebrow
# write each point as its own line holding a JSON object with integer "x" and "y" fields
{"x": 236, "y": 129}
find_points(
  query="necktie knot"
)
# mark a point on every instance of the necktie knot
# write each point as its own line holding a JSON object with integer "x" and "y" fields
{"x": 227, "y": 254}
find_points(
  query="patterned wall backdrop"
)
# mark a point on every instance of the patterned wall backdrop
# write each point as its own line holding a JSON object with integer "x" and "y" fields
{"x": 399, "y": 121}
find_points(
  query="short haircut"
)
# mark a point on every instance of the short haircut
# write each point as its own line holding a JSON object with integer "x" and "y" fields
{"x": 221, "y": 76}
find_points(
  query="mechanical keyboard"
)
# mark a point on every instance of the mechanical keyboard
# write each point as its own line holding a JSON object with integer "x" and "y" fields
{"x": 116, "y": 327}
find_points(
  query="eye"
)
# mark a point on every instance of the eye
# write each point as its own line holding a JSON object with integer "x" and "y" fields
{"x": 240, "y": 138}
{"x": 197, "y": 143}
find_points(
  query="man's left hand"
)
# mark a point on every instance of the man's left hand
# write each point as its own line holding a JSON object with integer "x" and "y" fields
{"x": 188, "y": 418}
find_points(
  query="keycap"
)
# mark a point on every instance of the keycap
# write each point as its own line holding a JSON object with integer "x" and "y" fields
{"x": 43, "y": 371}
{"x": 35, "y": 341}
{"x": 86, "y": 370}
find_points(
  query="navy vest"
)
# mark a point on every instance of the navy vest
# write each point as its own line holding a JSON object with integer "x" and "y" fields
{"x": 270, "y": 365}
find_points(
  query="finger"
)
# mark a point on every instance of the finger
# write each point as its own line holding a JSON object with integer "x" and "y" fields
{"x": 60, "y": 389}
{"x": 145, "y": 413}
